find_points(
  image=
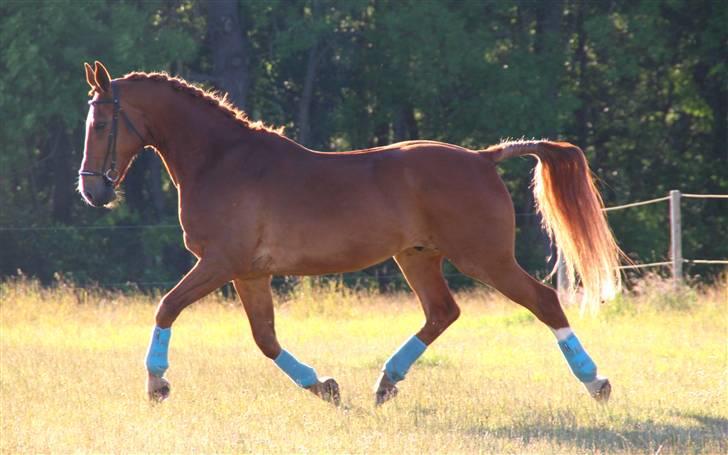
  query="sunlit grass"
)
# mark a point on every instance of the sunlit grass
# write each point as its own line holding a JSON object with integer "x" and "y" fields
{"x": 72, "y": 376}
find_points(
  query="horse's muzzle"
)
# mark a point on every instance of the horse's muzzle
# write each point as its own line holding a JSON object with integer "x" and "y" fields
{"x": 98, "y": 193}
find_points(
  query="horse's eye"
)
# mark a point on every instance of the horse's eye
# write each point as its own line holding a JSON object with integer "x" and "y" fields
{"x": 99, "y": 125}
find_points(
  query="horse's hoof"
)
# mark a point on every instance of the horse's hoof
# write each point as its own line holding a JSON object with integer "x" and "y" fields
{"x": 386, "y": 390}
{"x": 384, "y": 395}
{"x": 600, "y": 389}
{"x": 158, "y": 388}
{"x": 328, "y": 390}
{"x": 602, "y": 395}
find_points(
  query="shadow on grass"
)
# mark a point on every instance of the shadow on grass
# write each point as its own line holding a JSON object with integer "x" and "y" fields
{"x": 709, "y": 433}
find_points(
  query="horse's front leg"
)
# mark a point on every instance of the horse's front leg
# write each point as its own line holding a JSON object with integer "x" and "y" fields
{"x": 258, "y": 304}
{"x": 206, "y": 276}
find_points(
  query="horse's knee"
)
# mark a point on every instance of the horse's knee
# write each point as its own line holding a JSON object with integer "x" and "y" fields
{"x": 268, "y": 344}
{"x": 167, "y": 312}
{"x": 441, "y": 317}
{"x": 451, "y": 314}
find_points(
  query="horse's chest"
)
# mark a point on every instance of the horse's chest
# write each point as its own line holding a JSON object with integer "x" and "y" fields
{"x": 212, "y": 229}
{"x": 193, "y": 246}
{"x": 197, "y": 231}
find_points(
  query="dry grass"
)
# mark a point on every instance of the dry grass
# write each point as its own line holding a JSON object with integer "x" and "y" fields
{"x": 72, "y": 376}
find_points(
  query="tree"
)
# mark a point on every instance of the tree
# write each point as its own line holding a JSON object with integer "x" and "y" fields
{"x": 640, "y": 86}
{"x": 229, "y": 48}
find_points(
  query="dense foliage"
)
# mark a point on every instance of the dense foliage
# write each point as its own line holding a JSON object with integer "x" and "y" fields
{"x": 641, "y": 85}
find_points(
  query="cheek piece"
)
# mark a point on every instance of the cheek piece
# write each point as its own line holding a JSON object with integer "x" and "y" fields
{"x": 111, "y": 174}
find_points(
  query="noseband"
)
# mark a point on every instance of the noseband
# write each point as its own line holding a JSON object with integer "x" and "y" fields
{"x": 111, "y": 174}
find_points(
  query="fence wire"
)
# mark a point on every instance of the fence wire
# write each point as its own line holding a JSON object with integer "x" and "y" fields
{"x": 636, "y": 204}
{"x": 661, "y": 199}
{"x": 704, "y": 196}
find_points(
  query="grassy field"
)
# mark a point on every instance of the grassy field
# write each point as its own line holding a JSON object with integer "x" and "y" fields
{"x": 72, "y": 376}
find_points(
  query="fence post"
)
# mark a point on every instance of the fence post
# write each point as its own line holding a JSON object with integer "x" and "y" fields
{"x": 562, "y": 280}
{"x": 676, "y": 237}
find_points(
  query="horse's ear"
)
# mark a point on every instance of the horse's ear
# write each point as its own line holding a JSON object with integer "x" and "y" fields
{"x": 90, "y": 78}
{"x": 103, "y": 79}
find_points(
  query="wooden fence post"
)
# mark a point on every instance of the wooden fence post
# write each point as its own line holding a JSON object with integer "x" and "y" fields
{"x": 676, "y": 237}
{"x": 562, "y": 280}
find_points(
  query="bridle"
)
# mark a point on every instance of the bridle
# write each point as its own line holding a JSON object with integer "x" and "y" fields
{"x": 111, "y": 174}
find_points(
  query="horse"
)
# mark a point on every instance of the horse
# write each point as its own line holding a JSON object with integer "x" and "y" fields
{"x": 254, "y": 203}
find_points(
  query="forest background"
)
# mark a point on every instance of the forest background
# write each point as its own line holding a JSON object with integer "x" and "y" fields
{"x": 640, "y": 85}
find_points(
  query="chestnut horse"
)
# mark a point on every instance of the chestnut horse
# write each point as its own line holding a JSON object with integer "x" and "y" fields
{"x": 253, "y": 203}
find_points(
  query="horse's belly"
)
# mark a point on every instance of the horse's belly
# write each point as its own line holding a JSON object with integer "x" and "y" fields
{"x": 328, "y": 265}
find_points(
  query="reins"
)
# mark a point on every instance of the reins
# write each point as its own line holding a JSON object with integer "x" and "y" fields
{"x": 111, "y": 174}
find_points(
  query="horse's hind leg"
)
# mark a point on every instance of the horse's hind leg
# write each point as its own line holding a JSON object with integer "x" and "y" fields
{"x": 423, "y": 270}
{"x": 258, "y": 304}
{"x": 512, "y": 281}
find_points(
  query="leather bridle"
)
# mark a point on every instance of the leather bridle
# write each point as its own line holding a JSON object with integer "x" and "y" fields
{"x": 111, "y": 173}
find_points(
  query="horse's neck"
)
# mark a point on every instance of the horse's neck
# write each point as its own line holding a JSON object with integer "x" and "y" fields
{"x": 189, "y": 136}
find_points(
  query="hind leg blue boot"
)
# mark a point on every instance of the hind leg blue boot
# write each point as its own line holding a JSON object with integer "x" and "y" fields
{"x": 582, "y": 365}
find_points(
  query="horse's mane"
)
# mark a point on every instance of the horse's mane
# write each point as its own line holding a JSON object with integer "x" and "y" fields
{"x": 212, "y": 98}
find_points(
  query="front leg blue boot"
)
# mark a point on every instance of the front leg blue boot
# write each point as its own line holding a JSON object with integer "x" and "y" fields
{"x": 158, "y": 388}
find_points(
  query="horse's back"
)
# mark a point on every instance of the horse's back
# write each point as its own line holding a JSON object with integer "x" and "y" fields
{"x": 418, "y": 186}
{"x": 401, "y": 180}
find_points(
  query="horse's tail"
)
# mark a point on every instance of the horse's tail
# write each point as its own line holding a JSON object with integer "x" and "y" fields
{"x": 571, "y": 211}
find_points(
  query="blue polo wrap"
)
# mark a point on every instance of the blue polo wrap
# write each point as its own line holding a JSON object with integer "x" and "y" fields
{"x": 397, "y": 366}
{"x": 579, "y": 361}
{"x": 300, "y": 373}
{"x": 157, "y": 362}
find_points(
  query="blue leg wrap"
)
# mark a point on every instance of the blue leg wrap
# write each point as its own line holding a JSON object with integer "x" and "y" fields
{"x": 397, "y": 366}
{"x": 300, "y": 373}
{"x": 579, "y": 361}
{"x": 157, "y": 362}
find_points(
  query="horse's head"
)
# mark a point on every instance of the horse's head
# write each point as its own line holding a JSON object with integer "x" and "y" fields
{"x": 112, "y": 138}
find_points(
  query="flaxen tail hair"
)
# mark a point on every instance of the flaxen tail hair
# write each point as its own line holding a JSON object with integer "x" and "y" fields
{"x": 571, "y": 211}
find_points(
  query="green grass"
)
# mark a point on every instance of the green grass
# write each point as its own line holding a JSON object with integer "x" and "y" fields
{"x": 72, "y": 376}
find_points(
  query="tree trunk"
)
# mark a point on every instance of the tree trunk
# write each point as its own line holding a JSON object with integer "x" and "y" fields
{"x": 143, "y": 187}
{"x": 405, "y": 124}
{"x": 548, "y": 26}
{"x": 547, "y": 47}
{"x": 62, "y": 176}
{"x": 720, "y": 123}
{"x": 582, "y": 131}
{"x": 381, "y": 135}
{"x": 156, "y": 195}
{"x": 715, "y": 95}
{"x": 134, "y": 184}
{"x": 230, "y": 49}
{"x": 304, "y": 108}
